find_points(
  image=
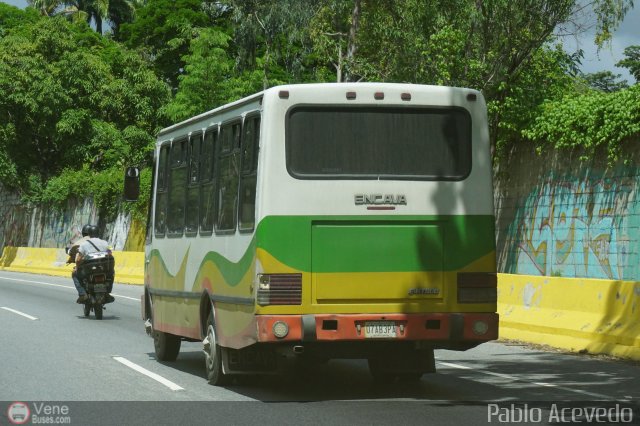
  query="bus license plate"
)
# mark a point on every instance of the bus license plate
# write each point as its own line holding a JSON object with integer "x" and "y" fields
{"x": 379, "y": 329}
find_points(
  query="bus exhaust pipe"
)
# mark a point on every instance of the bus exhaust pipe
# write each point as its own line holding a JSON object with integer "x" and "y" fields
{"x": 298, "y": 349}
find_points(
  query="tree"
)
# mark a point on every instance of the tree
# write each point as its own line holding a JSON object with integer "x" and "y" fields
{"x": 335, "y": 33}
{"x": 632, "y": 61}
{"x": 605, "y": 81}
{"x": 208, "y": 80}
{"x": 115, "y": 12}
{"x": 274, "y": 33}
{"x": 485, "y": 45}
{"x": 70, "y": 98}
{"x": 163, "y": 30}
{"x": 45, "y": 7}
{"x": 121, "y": 12}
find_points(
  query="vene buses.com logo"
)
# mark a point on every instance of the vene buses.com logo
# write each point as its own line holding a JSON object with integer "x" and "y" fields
{"x": 18, "y": 413}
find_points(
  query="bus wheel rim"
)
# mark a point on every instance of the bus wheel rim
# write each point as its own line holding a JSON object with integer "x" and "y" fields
{"x": 211, "y": 356}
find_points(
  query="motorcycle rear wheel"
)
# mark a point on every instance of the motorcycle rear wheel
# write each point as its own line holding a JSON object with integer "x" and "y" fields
{"x": 87, "y": 309}
{"x": 97, "y": 308}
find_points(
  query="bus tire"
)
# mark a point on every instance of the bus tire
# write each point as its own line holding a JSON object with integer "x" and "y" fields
{"x": 213, "y": 356}
{"x": 167, "y": 346}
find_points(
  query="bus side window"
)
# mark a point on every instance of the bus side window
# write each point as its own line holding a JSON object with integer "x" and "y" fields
{"x": 207, "y": 181}
{"x": 177, "y": 188}
{"x": 250, "y": 142}
{"x": 160, "y": 219}
{"x": 228, "y": 175}
{"x": 193, "y": 188}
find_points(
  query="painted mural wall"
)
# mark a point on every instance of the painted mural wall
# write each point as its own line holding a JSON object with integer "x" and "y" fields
{"x": 15, "y": 220}
{"x": 559, "y": 216}
{"x": 37, "y": 226}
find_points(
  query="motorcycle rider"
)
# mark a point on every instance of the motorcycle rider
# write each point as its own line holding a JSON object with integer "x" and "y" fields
{"x": 72, "y": 251}
{"x": 81, "y": 248}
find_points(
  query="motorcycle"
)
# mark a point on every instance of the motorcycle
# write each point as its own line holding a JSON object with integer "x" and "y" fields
{"x": 96, "y": 274}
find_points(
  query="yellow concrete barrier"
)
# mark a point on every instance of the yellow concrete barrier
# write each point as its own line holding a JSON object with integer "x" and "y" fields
{"x": 129, "y": 266}
{"x": 577, "y": 314}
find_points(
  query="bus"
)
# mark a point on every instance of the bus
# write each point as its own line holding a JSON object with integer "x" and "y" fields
{"x": 322, "y": 221}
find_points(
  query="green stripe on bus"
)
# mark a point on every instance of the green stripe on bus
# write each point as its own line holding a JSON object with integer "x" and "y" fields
{"x": 390, "y": 243}
{"x": 232, "y": 272}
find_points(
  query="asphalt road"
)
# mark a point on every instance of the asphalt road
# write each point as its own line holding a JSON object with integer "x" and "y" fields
{"x": 105, "y": 372}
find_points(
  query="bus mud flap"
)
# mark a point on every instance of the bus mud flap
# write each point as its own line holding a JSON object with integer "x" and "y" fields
{"x": 309, "y": 328}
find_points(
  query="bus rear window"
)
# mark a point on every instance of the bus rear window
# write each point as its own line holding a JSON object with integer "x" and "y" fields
{"x": 378, "y": 143}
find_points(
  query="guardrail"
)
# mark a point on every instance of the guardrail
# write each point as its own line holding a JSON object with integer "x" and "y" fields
{"x": 129, "y": 265}
{"x": 578, "y": 314}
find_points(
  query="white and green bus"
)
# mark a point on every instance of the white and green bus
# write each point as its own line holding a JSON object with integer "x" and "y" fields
{"x": 319, "y": 221}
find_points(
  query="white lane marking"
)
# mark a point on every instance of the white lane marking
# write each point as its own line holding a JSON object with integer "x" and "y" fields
{"x": 137, "y": 299}
{"x": 520, "y": 379}
{"x": 154, "y": 376}
{"x": 19, "y": 313}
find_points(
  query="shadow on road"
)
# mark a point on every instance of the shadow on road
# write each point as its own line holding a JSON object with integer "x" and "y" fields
{"x": 105, "y": 317}
{"x": 507, "y": 374}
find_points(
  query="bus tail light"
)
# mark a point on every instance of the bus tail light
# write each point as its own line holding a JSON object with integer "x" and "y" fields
{"x": 279, "y": 289}
{"x": 477, "y": 287}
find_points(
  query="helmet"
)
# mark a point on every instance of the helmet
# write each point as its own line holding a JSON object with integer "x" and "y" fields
{"x": 93, "y": 232}
{"x": 86, "y": 230}
{"x": 90, "y": 230}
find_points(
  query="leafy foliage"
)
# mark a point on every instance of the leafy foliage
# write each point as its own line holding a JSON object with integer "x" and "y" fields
{"x": 210, "y": 78}
{"x": 72, "y": 104}
{"x": 163, "y": 30}
{"x": 605, "y": 81}
{"x": 631, "y": 61}
{"x": 589, "y": 121}
{"x": 548, "y": 77}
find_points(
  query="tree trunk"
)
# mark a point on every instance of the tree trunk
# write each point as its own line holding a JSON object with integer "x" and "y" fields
{"x": 352, "y": 46}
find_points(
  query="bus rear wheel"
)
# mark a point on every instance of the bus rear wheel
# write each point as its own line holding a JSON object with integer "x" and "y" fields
{"x": 213, "y": 356}
{"x": 167, "y": 346}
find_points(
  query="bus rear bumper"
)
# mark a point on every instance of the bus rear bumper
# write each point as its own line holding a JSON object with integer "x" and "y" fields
{"x": 443, "y": 329}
